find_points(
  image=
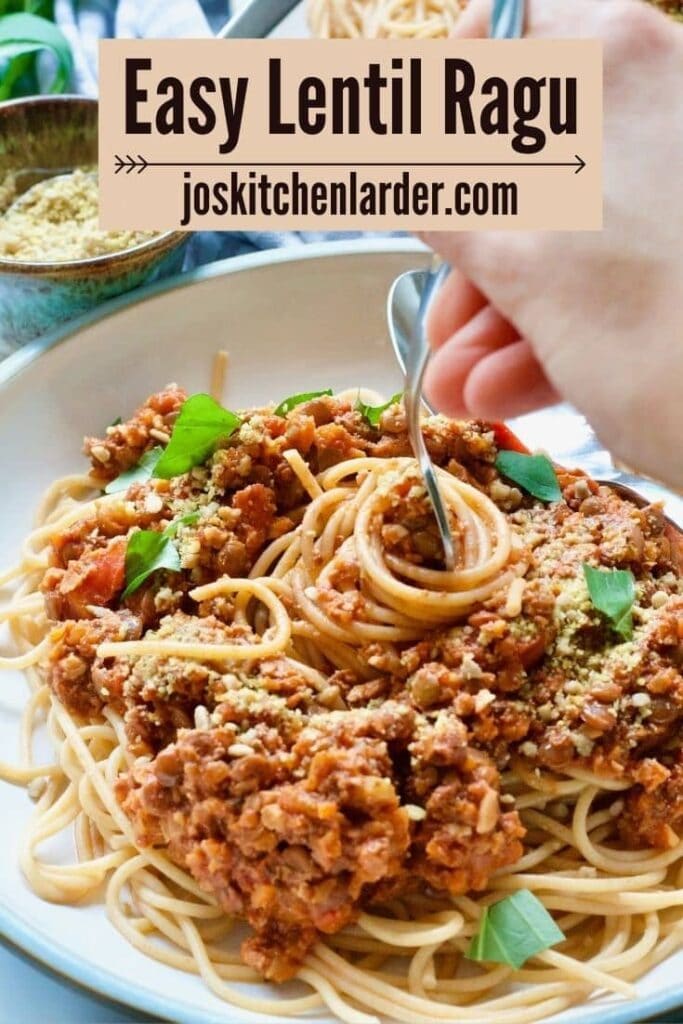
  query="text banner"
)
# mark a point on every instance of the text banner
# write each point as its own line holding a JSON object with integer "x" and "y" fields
{"x": 351, "y": 135}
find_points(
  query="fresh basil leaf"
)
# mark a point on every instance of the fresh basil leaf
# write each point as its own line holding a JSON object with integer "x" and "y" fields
{"x": 22, "y": 34}
{"x": 117, "y": 422}
{"x": 513, "y": 930}
{"x": 287, "y": 404}
{"x": 138, "y": 474}
{"x": 613, "y": 592}
{"x": 202, "y": 423}
{"x": 373, "y": 413}
{"x": 534, "y": 473}
{"x": 147, "y": 552}
{"x": 189, "y": 520}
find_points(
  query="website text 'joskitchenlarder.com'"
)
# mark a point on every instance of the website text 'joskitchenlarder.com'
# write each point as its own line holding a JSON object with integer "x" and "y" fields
{"x": 404, "y": 194}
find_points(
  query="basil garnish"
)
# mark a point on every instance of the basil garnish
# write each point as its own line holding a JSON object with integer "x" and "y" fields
{"x": 373, "y": 413}
{"x": 189, "y": 520}
{"x": 138, "y": 474}
{"x": 513, "y": 930}
{"x": 148, "y": 551}
{"x": 613, "y": 592}
{"x": 534, "y": 473}
{"x": 287, "y": 404}
{"x": 202, "y": 423}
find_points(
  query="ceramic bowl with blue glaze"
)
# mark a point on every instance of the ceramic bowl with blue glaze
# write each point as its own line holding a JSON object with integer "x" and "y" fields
{"x": 41, "y": 136}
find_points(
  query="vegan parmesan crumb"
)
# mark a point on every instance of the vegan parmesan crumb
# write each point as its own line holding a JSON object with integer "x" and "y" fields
{"x": 8, "y": 190}
{"x": 58, "y": 220}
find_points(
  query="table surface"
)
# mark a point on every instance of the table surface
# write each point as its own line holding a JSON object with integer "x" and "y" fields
{"x": 38, "y": 994}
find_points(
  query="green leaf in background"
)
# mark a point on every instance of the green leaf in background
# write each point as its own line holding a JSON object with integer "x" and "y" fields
{"x": 513, "y": 930}
{"x": 138, "y": 474}
{"x": 373, "y": 413}
{"x": 287, "y": 404}
{"x": 534, "y": 473}
{"x": 613, "y": 592}
{"x": 23, "y": 35}
{"x": 44, "y": 8}
{"x": 202, "y": 423}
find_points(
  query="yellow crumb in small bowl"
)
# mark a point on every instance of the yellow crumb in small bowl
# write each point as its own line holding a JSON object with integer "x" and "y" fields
{"x": 57, "y": 220}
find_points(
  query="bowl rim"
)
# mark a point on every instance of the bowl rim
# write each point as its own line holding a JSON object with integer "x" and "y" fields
{"x": 164, "y": 240}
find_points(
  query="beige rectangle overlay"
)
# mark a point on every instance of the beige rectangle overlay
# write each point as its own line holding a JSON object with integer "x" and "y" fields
{"x": 364, "y": 181}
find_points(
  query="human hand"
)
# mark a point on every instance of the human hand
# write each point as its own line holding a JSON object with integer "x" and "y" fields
{"x": 596, "y": 317}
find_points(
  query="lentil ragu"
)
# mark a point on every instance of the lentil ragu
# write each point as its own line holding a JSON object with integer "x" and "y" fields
{"x": 297, "y": 805}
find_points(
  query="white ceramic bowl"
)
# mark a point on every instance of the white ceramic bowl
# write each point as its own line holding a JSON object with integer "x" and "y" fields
{"x": 291, "y": 322}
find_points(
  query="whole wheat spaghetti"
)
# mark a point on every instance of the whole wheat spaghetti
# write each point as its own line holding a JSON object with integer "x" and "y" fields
{"x": 383, "y": 19}
{"x": 311, "y": 724}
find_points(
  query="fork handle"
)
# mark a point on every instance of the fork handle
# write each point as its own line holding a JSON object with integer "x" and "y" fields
{"x": 507, "y": 19}
{"x": 418, "y": 353}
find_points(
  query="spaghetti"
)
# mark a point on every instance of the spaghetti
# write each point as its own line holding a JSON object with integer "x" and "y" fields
{"x": 383, "y": 19}
{"x": 313, "y": 725}
{"x": 403, "y": 19}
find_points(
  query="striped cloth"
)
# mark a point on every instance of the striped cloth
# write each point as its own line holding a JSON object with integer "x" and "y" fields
{"x": 85, "y": 22}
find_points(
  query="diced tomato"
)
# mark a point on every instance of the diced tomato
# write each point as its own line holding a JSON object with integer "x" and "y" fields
{"x": 96, "y": 578}
{"x": 507, "y": 440}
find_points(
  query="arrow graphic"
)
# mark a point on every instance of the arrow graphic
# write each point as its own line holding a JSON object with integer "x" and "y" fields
{"x": 131, "y": 163}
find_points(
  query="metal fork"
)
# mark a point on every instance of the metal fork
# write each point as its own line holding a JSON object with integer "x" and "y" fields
{"x": 417, "y": 358}
{"x": 507, "y": 19}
